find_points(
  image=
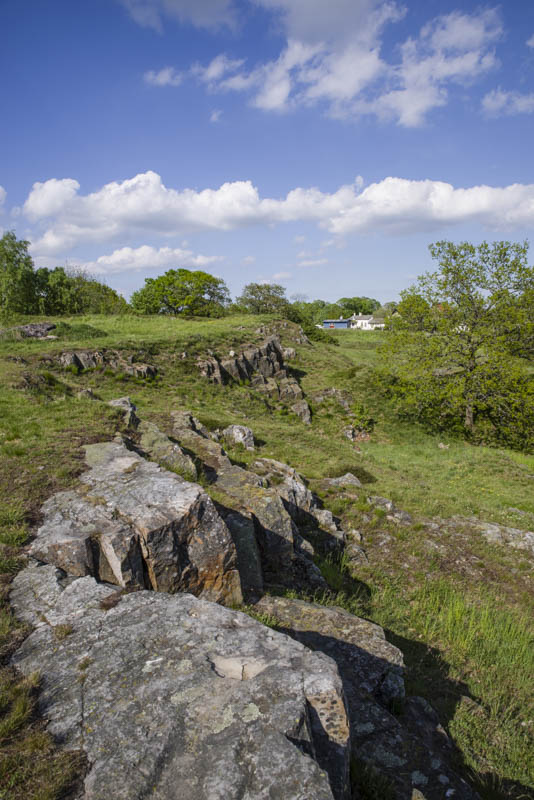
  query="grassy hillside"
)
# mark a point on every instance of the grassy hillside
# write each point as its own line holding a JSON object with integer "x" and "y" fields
{"x": 459, "y": 608}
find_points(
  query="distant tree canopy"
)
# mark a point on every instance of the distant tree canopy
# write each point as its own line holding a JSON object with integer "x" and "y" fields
{"x": 182, "y": 291}
{"x": 455, "y": 356}
{"x": 263, "y": 298}
{"x": 359, "y": 305}
{"x": 24, "y": 290}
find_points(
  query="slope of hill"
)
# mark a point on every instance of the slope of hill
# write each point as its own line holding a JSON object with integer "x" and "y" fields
{"x": 452, "y": 594}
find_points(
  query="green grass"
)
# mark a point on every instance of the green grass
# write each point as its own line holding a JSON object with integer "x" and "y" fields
{"x": 489, "y": 653}
{"x": 462, "y": 637}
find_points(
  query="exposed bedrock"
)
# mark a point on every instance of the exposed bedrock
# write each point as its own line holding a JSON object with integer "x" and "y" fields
{"x": 410, "y": 749}
{"x": 135, "y": 524}
{"x": 173, "y": 696}
{"x": 266, "y": 360}
{"x": 273, "y": 496}
{"x": 112, "y": 359}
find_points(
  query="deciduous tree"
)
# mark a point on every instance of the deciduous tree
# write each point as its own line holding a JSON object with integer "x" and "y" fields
{"x": 182, "y": 291}
{"x": 17, "y": 277}
{"x": 451, "y": 357}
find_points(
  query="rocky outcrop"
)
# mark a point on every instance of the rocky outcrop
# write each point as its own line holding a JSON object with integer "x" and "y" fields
{"x": 411, "y": 751}
{"x": 127, "y": 409}
{"x": 393, "y": 514}
{"x": 290, "y": 485}
{"x": 136, "y": 525}
{"x": 289, "y": 390}
{"x": 162, "y": 449}
{"x": 264, "y": 368}
{"x": 503, "y": 534}
{"x": 272, "y": 496}
{"x": 35, "y": 330}
{"x": 111, "y": 359}
{"x": 324, "y": 395}
{"x": 239, "y": 435}
{"x": 303, "y": 411}
{"x": 173, "y": 696}
{"x": 265, "y": 360}
{"x": 348, "y": 479}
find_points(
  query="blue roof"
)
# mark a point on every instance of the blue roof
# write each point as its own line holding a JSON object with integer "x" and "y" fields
{"x": 335, "y": 320}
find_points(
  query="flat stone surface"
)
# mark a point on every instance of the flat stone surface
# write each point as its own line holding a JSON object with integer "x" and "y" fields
{"x": 174, "y": 697}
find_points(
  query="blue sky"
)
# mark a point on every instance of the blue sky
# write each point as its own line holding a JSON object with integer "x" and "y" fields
{"x": 321, "y": 144}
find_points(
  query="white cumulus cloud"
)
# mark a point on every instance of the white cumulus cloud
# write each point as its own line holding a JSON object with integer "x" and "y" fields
{"x": 3, "y": 195}
{"x": 452, "y": 49}
{"x": 143, "y": 205}
{"x": 146, "y": 257}
{"x": 530, "y": 42}
{"x": 50, "y": 198}
{"x": 167, "y": 76}
{"x": 499, "y": 102}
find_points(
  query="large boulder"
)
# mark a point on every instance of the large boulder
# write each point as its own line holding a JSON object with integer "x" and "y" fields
{"x": 35, "y": 330}
{"x": 173, "y": 696}
{"x": 135, "y": 524}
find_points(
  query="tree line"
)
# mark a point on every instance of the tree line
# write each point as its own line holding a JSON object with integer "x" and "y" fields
{"x": 26, "y": 290}
{"x": 183, "y": 292}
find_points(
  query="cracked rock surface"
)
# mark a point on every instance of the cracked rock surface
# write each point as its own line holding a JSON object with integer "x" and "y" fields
{"x": 175, "y": 697}
{"x": 135, "y": 524}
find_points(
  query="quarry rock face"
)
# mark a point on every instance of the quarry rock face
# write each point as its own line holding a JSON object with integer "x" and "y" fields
{"x": 135, "y": 524}
{"x": 173, "y": 696}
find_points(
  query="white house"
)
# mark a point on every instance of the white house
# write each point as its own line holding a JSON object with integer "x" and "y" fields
{"x": 366, "y": 322}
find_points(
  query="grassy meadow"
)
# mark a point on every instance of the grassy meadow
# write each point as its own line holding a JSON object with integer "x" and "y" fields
{"x": 460, "y": 609}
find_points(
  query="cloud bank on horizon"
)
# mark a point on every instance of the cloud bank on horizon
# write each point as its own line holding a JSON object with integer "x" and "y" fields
{"x": 144, "y": 204}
